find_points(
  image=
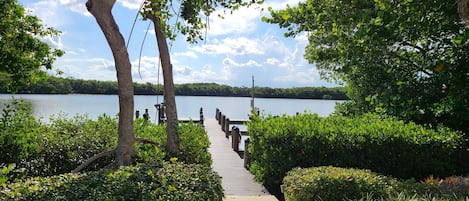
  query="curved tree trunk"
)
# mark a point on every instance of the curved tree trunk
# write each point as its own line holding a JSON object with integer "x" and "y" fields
{"x": 169, "y": 97}
{"x": 463, "y": 8}
{"x": 101, "y": 10}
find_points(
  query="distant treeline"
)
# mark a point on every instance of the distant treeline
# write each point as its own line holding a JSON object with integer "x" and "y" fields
{"x": 55, "y": 85}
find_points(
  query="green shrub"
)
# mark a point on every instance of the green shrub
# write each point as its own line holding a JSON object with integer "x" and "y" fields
{"x": 327, "y": 183}
{"x": 381, "y": 144}
{"x": 193, "y": 143}
{"x": 19, "y": 131}
{"x": 39, "y": 149}
{"x": 334, "y": 183}
{"x": 165, "y": 181}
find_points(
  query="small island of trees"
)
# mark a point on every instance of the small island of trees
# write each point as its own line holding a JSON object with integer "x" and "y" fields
{"x": 57, "y": 85}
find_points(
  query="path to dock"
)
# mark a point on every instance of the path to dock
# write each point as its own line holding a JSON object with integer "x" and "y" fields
{"x": 238, "y": 183}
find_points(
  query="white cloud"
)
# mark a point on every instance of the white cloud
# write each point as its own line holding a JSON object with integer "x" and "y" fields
{"x": 186, "y": 74}
{"x": 230, "y": 62}
{"x": 90, "y": 69}
{"x": 253, "y": 63}
{"x": 302, "y": 38}
{"x": 145, "y": 69}
{"x": 190, "y": 54}
{"x": 78, "y": 6}
{"x": 232, "y": 46}
{"x": 131, "y": 4}
{"x": 183, "y": 70}
{"x": 307, "y": 76}
{"x": 272, "y": 61}
{"x": 47, "y": 11}
{"x": 54, "y": 41}
{"x": 241, "y": 21}
{"x": 289, "y": 59}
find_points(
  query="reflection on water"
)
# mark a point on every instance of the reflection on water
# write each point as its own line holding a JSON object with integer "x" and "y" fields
{"x": 188, "y": 106}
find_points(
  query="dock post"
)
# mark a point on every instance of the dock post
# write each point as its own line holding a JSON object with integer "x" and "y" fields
{"x": 235, "y": 136}
{"x": 247, "y": 157}
{"x": 223, "y": 121}
{"x": 227, "y": 126}
{"x": 217, "y": 114}
{"x": 201, "y": 116}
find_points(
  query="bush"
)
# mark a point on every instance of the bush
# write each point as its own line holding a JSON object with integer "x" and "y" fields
{"x": 381, "y": 144}
{"x": 334, "y": 183}
{"x": 193, "y": 143}
{"x": 162, "y": 181}
{"x": 39, "y": 149}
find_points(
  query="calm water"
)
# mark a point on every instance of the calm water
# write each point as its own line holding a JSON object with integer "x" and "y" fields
{"x": 188, "y": 106}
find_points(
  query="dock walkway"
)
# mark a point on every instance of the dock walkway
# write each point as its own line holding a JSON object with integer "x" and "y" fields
{"x": 238, "y": 183}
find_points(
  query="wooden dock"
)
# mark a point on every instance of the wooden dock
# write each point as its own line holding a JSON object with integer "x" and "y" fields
{"x": 238, "y": 183}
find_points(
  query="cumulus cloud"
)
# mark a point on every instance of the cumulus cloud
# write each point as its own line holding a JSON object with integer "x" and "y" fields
{"x": 230, "y": 62}
{"x": 290, "y": 59}
{"x": 145, "y": 69}
{"x": 241, "y": 21}
{"x": 47, "y": 11}
{"x": 305, "y": 76}
{"x": 232, "y": 46}
{"x": 77, "y": 6}
{"x": 131, "y": 4}
{"x": 186, "y": 74}
{"x": 183, "y": 70}
{"x": 190, "y": 54}
{"x": 272, "y": 61}
{"x": 90, "y": 69}
{"x": 54, "y": 41}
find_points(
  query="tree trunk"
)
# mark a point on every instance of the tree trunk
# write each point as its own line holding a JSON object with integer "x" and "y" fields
{"x": 101, "y": 10}
{"x": 169, "y": 97}
{"x": 463, "y": 8}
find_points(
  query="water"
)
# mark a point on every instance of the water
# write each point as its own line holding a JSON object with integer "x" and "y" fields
{"x": 188, "y": 106}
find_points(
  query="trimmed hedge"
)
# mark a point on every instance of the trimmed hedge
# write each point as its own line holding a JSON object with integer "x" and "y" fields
{"x": 334, "y": 183}
{"x": 381, "y": 144}
{"x": 165, "y": 181}
{"x": 327, "y": 183}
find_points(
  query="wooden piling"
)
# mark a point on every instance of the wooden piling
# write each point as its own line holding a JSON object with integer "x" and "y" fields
{"x": 235, "y": 138}
{"x": 246, "y": 156}
{"x": 227, "y": 126}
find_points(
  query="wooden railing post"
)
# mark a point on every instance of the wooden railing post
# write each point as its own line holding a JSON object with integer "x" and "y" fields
{"x": 235, "y": 137}
{"x": 202, "y": 116}
{"x": 227, "y": 127}
{"x": 223, "y": 119}
{"x": 247, "y": 157}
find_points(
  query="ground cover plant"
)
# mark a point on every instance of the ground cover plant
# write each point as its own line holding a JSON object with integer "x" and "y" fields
{"x": 382, "y": 144}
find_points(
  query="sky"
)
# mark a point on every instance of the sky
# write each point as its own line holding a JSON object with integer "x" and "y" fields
{"x": 235, "y": 48}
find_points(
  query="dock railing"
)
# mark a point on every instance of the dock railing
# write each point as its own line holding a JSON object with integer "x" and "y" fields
{"x": 238, "y": 132}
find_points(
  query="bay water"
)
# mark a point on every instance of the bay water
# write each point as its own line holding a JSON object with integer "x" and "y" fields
{"x": 45, "y": 106}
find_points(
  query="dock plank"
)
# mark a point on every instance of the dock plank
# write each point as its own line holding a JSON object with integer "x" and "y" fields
{"x": 236, "y": 180}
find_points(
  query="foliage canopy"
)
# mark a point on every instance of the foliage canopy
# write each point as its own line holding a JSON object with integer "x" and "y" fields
{"x": 405, "y": 58}
{"x": 23, "y": 53}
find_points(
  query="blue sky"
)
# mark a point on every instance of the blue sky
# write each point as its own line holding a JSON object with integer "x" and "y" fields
{"x": 236, "y": 48}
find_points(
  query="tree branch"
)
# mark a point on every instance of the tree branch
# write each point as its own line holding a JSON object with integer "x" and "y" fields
{"x": 146, "y": 141}
{"x": 90, "y": 160}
